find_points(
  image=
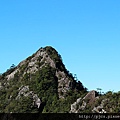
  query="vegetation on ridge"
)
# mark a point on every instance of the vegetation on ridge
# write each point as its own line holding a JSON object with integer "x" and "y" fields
{"x": 43, "y": 82}
{"x": 42, "y": 79}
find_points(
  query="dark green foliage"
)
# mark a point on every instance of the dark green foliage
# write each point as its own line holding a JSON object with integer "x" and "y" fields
{"x": 23, "y": 105}
{"x": 10, "y": 70}
{"x": 44, "y": 83}
{"x": 56, "y": 57}
{"x": 113, "y": 102}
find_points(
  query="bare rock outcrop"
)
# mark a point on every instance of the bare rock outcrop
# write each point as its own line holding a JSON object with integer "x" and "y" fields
{"x": 24, "y": 91}
{"x": 63, "y": 83}
{"x": 100, "y": 108}
{"x": 11, "y": 75}
{"x": 81, "y": 103}
{"x": 91, "y": 96}
{"x": 78, "y": 106}
{"x": 39, "y": 60}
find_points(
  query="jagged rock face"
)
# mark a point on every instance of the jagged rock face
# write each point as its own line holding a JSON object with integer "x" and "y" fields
{"x": 74, "y": 106}
{"x": 32, "y": 63}
{"x": 41, "y": 83}
{"x": 43, "y": 71}
{"x": 81, "y": 103}
{"x": 91, "y": 96}
{"x": 78, "y": 106}
{"x": 40, "y": 59}
{"x": 100, "y": 108}
{"x": 87, "y": 104}
{"x": 24, "y": 91}
{"x": 11, "y": 75}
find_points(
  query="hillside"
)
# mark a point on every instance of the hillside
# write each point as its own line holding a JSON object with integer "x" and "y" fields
{"x": 42, "y": 84}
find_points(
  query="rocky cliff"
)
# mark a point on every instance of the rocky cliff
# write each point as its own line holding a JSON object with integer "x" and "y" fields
{"x": 42, "y": 84}
{"x": 40, "y": 79}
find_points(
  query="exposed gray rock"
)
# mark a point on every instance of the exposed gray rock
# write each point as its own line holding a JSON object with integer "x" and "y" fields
{"x": 75, "y": 107}
{"x": 11, "y": 75}
{"x": 100, "y": 108}
{"x": 1, "y": 86}
{"x": 32, "y": 63}
{"x": 81, "y": 104}
{"x": 63, "y": 83}
{"x": 24, "y": 90}
{"x": 91, "y": 95}
{"x": 36, "y": 100}
{"x": 78, "y": 100}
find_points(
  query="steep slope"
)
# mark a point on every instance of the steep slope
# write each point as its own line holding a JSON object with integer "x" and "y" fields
{"x": 94, "y": 102}
{"x": 41, "y": 83}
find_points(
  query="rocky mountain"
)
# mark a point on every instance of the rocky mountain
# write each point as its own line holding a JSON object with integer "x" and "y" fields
{"x": 42, "y": 84}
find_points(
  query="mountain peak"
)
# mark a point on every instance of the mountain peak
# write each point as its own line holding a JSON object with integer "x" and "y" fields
{"x": 41, "y": 83}
{"x": 40, "y": 77}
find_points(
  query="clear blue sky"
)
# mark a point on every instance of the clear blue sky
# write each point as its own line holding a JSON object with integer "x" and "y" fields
{"x": 85, "y": 32}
